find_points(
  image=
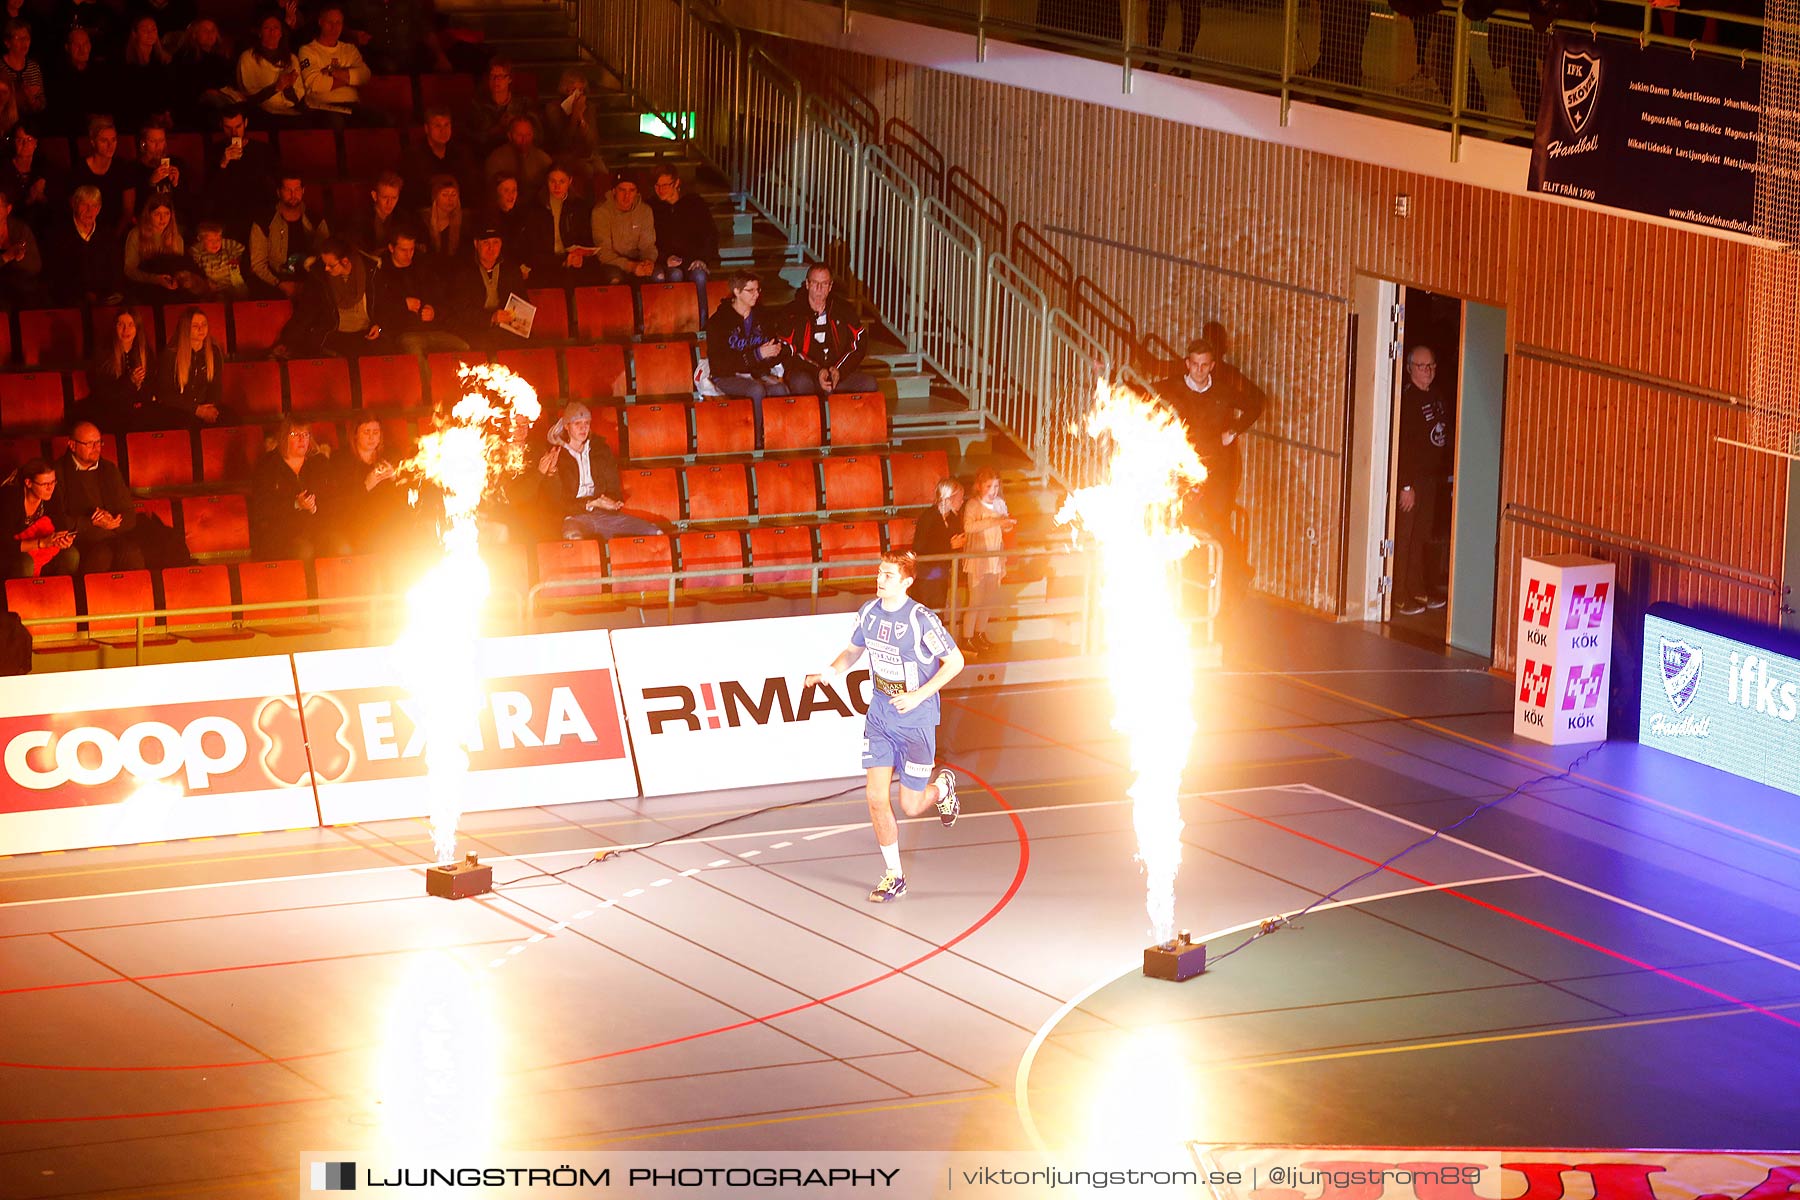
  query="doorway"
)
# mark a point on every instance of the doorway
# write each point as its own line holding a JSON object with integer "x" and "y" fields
{"x": 1424, "y": 503}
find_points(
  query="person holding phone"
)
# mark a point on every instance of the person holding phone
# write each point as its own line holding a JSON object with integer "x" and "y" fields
{"x": 42, "y": 531}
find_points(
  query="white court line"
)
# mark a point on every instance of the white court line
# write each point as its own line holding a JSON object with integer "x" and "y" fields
{"x": 1021, "y": 1094}
{"x": 1567, "y": 882}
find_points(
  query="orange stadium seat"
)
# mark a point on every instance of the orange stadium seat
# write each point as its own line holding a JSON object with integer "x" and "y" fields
{"x": 900, "y": 532}
{"x": 318, "y": 384}
{"x": 198, "y": 587}
{"x": 164, "y": 458}
{"x": 632, "y": 556}
{"x": 849, "y": 540}
{"x": 15, "y": 452}
{"x": 780, "y": 544}
{"x": 279, "y": 580}
{"x": 663, "y": 369}
{"x": 791, "y": 423}
{"x": 915, "y": 477}
{"x": 44, "y": 596}
{"x": 111, "y": 592}
{"x": 389, "y": 94}
{"x": 51, "y": 337}
{"x": 6, "y": 341}
{"x": 652, "y": 493}
{"x": 191, "y": 149}
{"x": 229, "y": 453}
{"x": 342, "y": 198}
{"x": 443, "y": 371}
{"x": 390, "y": 381}
{"x": 596, "y": 372}
{"x": 312, "y": 152}
{"x": 252, "y": 389}
{"x": 256, "y": 326}
{"x": 563, "y": 566}
{"x": 604, "y": 313}
{"x": 717, "y": 492}
{"x": 717, "y": 289}
{"x": 342, "y": 576}
{"x": 852, "y": 481}
{"x": 538, "y": 367}
{"x": 328, "y": 434}
{"x": 552, "y": 321}
{"x": 704, "y": 550}
{"x": 216, "y": 526}
{"x": 670, "y": 309}
{"x": 726, "y": 426}
{"x": 785, "y": 486}
{"x": 369, "y": 152}
{"x": 453, "y": 91}
{"x": 160, "y": 507}
{"x": 606, "y": 419}
{"x": 400, "y": 436}
{"x": 656, "y": 431}
{"x": 33, "y": 402}
{"x": 858, "y": 419}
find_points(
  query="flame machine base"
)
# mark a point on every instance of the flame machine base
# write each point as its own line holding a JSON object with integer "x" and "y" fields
{"x": 1176, "y": 961}
{"x": 459, "y": 881}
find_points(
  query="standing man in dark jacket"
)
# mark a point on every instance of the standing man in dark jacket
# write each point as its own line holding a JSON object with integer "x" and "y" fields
{"x": 743, "y": 356}
{"x": 1427, "y": 434}
{"x": 825, "y": 344}
{"x": 1217, "y": 404}
{"x": 687, "y": 241}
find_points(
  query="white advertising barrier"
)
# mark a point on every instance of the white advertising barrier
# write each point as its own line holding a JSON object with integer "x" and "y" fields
{"x": 141, "y": 754}
{"x": 549, "y": 731}
{"x": 725, "y": 705}
{"x": 1564, "y": 649}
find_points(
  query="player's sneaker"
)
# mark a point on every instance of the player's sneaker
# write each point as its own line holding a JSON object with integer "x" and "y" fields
{"x": 891, "y": 887}
{"x": 948, "y": 806}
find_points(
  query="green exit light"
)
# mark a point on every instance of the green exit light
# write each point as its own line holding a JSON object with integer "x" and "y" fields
{"x": 664, "y": 125}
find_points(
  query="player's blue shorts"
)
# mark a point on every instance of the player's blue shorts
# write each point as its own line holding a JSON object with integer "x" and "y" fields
{"x": 911, "y": 752}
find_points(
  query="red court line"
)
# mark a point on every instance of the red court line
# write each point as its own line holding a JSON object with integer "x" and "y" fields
{"x": 1006, "y": 898}
{"x": 1520, "y": 917}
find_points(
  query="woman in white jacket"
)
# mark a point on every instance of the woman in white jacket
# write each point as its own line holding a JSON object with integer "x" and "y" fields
{"x": 269, "y": 74}
{"x": 985, "y": 523}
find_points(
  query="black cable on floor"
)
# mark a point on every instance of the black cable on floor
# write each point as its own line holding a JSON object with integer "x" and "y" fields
{"x": 1271, "y": 924}
{"x": 615, "y": 851}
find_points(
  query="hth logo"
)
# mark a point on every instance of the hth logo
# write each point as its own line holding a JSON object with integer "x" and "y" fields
{"x": 1540, "y": 598}
{"x": 1583, "y": 687}
{"x": 1534, "y": 684}
{"x": 728, "y": 703}
{"x": 1586, "y": 612}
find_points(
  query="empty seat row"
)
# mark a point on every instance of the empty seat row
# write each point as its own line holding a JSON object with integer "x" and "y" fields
{"x": 783, "y": 487}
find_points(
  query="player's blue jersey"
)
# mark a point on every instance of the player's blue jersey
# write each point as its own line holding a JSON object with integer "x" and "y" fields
{"x": 906, "y": 647}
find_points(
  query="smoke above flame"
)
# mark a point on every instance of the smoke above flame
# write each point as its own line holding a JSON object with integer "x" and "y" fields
{"x": 475, "y": 445}
{"x": 1134, "y": 516}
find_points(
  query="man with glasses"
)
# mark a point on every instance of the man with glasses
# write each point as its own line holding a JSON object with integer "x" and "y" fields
{"x": 687, "y": 241}
{"x": 1427, "y": 432}
{"x": 827, "y": 344}
{"x": 38, "y": 521}
{"x": 93, "y": 490}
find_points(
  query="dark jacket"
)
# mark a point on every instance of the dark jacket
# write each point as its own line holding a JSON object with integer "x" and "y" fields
{"x": 732, "y": 341}
{"x": 202, "y": 388}
{"x": 465, "y": 293}
{"x": 238, "y": 192}
{"x": 419, "y": 166}
{"x": 114, "y": 402}
{"x": 275, "y": 522}
{"x": 842, "y": 344}
{"x": 83, "y": 491}
{"x": 538, "y": 246}
{"x": 84, "y": 266}
{"x": 13, "y": 520}
{"x": 557, "y": 491}
{"x": 932, "y": 535}
{"x": 685, "y": 229}
{"x": 315, "y": 316}
{"x": 389, "y": 289}
{"x": 1427, "y": 439}
{"x": 1231, "y": 405}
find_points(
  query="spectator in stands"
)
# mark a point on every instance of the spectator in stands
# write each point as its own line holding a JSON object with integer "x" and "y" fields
{"x": 205, "y": 74}
{"x": 170, "y": 15}
{"x": 624, "y": 234}
{"x": 578, "y": 482}
{"x": 985, "y": 522}
{"x": 285, "y": 244}
{"x": 242, "y": 175}
{"x": 555, "y": 234}
{"x": 93, "y": 18}
{"x": 32, "y": 183}
{"x": 439, "y": 152}
{"x": 939, "y": 531}
{"x": 476, "y": 290}
{"x": 86, "y": 254}
{"x": 146, "y": 76}
{"x": 497, "y": 105}
{"x": 296, "y": 20}
{"x": 20, "y": 262}
{"x": 687, "y": 241}
{"x": 157, "y": 268}
{"x": 505, "y": 213}
{"x": 1216, "y": 404}
{"x": 21, "y": 70}
{"x": 9, "y": 108}
{"x": 156, "y": 172}
{"x": 106, "y": 173}
{"x": 122, "y": 381}
{"x": 743, "y": 357}
{"x": 369, "y": 507}
{"x": 398, "y": 37}
{"x": 93, "y": 491}
{"x": 189, "y": 376}
{"x": 287, "y": 517}
{"x": 80, "y": 86}
{"x": 441, "y": 222}
{"x": 374, "y": 222}
{"x": 42, "y": 530}
{"x": 568, "y": 132}
{"x": 403, "y": 300}
{"x": 220, "y": 261}
{"x": 332, "y": 314}
{"x": 825, "y": 345}
{"x": 521, "y": 156}
{"x": 268, "y": 74}
{"x": 332, "y": 70}
{"x": 26, "y": 11}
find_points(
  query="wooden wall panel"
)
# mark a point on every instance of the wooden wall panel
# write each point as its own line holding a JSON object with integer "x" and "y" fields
{"x": 1276, "y": 236}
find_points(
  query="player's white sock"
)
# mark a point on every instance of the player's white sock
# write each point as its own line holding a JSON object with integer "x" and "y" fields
{"x": 891, "y": 856}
